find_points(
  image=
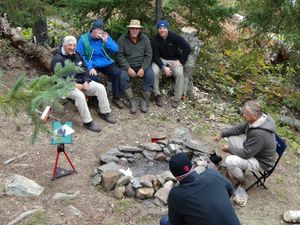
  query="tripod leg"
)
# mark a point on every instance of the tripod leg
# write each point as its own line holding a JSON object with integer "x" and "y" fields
{"x": 55, "y": 165}
{"x": 70, "y": 162}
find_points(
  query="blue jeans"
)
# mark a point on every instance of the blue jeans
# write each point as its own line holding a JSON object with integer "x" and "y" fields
{"x": 113, "y": 73}
{"x": 148, "y": 80}
{"x": 164, "y": 221}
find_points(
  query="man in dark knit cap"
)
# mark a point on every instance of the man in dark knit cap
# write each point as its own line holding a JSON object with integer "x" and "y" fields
{"x": 96, "y": 47}
{"x": 198, "y": 199}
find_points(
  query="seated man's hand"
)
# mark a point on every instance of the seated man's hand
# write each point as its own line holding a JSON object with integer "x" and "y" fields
{"x": 168, "y": 72}
{"x": 79, "y": 86}
{"x": 225, "y": 148}
{"x": 104, "y": 37}
{"x": 131, "y": 72}
{"x": 140, "y": 73}
{"x": 93, "y": 72}
{"x": 85, "y": 85}
{"x": 218, "y": 138}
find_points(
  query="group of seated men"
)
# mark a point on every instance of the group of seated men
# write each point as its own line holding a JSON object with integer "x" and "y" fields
{"x": 198, "y": 199}
{"x": 137, "y": 57}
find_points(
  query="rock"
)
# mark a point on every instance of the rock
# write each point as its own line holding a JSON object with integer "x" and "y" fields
{"x": 144, "y": 193}
{"x": 108, "y": 158}
{"x": 167, "y": 152}
{"x": 138, "y": 156}
{"x": 189, "y": 30}
{"x": 163, "y": 193}
{"x": 128, "y": 155}
{"x": 292, "y": 216}
{"x": 60, "y": 195}
{"x": 17, "y": 185}
{"x": 177, "y": 141}
{"x": 119, "y": 192}
{"x": 182, "y": 133}
{"x": 114, "y": 152}
{"x": 130, "y": 191}
{"x": 145, "y": 181}
{"x": 150, "y": 155}
{"x": 211, "y": 166}
{"x": 75, "y": 211}
{"x": 130, "y": 160}
{"x": 165, "y": 176}
{"x": 199, "y": 169}
{"x": 151, "y": 147}
{"x": 212, "y": 117}
{"x": 109, "y": 179}
{"x": 196, "y": 145}
{"x": 157, "y": 202}
{"x": 112, "y": 166}
{"x": 136, "y": 183}
{"x": 96, "y": 180}
{"x": 160, "y": 156}
{"x": 123, "y": 161}
{"x": 187, "y": 151}
{"x": 130, "y": 149}
{"x": 156, "y": 184}
{"x": 162, "y": 142}
{"x": 123, "y": 181}
{"x": 202, "y": 163}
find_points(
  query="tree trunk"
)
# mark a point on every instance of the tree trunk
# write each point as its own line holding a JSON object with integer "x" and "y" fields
{"x": 43, "y": 54}
{"x": 158, "y": 10}
{"x": 40, "y": 31}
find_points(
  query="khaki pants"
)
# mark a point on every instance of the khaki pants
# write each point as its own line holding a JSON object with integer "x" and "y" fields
{"x": 236, "y": 166}
{"x": 94, "y": 89}
{"x": 177, "y": 73}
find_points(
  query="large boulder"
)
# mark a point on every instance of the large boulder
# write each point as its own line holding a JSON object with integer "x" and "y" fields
{"x": 151, "y": 147}
{"x": 130, "y": 149}
{"x": 17, "y": 185}
{"x": 119, "y": 192}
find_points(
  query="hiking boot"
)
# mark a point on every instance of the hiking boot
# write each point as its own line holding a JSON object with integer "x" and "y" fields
{"x": 92, "y": 126}
{"x": 133, "y": 106}
{"x": 118, "y": 103}
{"x": 132, "y": 101}
{"x": 175, "y": 103}
{"x": 107, "y": 117}
{"x": 145, "y": 101}
{"x": 158, "y": 101}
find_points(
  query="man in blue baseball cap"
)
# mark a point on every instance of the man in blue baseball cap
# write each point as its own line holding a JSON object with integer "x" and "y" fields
{"x": 170, "y": 53}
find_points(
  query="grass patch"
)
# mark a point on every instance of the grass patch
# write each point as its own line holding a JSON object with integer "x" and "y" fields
{"x": 124, "y": 205}
{"x": 68, "y": 201}
{"x": 38, "y": 218}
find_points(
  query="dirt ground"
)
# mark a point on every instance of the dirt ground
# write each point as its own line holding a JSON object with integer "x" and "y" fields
{"x": 264, "y": 207}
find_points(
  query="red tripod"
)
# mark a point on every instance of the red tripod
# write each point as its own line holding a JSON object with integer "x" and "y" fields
{"x": 60, "y": 172}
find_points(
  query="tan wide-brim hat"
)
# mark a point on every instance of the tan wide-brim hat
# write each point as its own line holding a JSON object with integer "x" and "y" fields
{"x": 135, "y": 24}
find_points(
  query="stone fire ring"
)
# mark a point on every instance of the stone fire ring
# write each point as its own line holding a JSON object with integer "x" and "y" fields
{"x": 115, "y": 170}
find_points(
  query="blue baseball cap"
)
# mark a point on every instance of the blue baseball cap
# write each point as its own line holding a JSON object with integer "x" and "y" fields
{"x": 162, "y": 23}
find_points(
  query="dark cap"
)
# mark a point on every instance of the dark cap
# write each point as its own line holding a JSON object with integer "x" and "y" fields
{"x": 98, "y": 24}
{"x": 180, "y": 164}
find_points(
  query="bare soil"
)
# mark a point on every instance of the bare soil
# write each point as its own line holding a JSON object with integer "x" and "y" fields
{"x": 264, "y": 207}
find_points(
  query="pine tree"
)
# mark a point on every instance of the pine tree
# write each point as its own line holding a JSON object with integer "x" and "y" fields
{"x": 34, "y": 95}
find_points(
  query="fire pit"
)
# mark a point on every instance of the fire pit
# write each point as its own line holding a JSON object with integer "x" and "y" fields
{"x": 143, "y": 171}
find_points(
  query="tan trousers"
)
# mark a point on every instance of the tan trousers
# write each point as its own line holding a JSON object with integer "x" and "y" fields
{"x": 177, "y": 73}
{"x": 236, "y": 166}
{"x": 94, "y": 89}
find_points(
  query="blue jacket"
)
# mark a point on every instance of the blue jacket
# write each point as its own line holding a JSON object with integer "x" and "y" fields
{"x": 99, "y": 59}
{"x": 202, "y": 200}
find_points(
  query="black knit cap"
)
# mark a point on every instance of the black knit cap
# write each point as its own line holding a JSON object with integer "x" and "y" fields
{"x": 98, "y": 24}
{"x": 180, "y": 164}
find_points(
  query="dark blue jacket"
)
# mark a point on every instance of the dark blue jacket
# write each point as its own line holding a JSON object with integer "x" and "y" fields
{"x": 202, "y": 200}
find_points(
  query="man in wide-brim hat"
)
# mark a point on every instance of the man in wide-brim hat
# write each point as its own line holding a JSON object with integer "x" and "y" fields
{"x": 134, "y": 58}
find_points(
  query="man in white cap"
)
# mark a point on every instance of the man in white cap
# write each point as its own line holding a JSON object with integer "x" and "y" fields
{"x": 134, "y": 57}
{"x": 83, "y": 86}
{"x": 170, "y": 53}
